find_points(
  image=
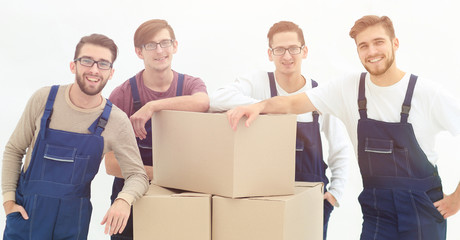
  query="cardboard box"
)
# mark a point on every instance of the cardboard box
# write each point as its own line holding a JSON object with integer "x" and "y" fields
{"x": 168, "y": 215}
{"x": 295, "y": 217}
{"x": 200, "y": 152}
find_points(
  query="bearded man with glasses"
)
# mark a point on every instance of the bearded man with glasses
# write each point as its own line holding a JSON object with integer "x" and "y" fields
{"x": 63, "y": 135}
{"x": 157, "y": 87}
{"x": 287, "y": 50}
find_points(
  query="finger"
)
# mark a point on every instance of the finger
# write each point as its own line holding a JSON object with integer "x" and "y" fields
{"x": 438, "y": 203}
{"x": 251, "y": 118}
{"x": 23, "y": 212}
{"x": 115, "y": 226}
{"x": 123, "y": 225}
{"x": 107, "y": 225}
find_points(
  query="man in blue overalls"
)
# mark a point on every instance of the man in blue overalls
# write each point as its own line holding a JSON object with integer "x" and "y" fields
{"x": 287, "y": 50}
{"x": 392, "y": 118}
{"x": 155, "y": 88}
{"x": 65, "y": 131}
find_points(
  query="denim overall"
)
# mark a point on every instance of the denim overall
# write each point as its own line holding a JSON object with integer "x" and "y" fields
{"x": 309, "y": 163}
{"x": 145, "y": 149}
{"x": 55, "y": 189}
{"x": 400, "y": 184}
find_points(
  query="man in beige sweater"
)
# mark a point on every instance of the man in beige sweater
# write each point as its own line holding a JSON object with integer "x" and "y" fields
{"x": 64, "y": 132}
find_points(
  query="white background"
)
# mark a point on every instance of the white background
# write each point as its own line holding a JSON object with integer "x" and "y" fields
{"x": 217, "y": 42}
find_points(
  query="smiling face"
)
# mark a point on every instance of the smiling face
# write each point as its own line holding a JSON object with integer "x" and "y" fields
{"x": 92, "y": 80}
{"x": 287, "y": 63}
{"x": 376, "y": 50}
{"x": 160, "y": 58}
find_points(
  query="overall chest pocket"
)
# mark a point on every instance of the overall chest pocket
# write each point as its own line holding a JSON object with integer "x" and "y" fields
{"x": 385, "y": 159}
{"x": 61, "y": 164}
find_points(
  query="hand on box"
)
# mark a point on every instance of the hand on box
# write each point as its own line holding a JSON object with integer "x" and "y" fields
{"x": 139, "y": 118}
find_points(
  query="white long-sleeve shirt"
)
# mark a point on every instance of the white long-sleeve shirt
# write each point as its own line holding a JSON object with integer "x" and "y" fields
{"x": 255, "y": 87}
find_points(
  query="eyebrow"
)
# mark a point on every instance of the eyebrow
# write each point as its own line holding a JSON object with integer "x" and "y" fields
{"x": 373, "y": 40}
{"x": 290, "y": 46}
{"x": 102, "y": 59}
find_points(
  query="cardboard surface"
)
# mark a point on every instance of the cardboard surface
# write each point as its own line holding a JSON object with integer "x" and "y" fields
{"x": 200, "y": 152}
{"x": 294, "y": 217}
{"x": 171, "y": 215}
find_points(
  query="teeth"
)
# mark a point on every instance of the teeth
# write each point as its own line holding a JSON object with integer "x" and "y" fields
{"x": 92, "y": 79}
{"x": 375, "y": 60}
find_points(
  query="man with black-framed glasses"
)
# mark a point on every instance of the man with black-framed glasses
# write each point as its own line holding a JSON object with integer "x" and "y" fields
{"x": 64, "y": 133}
{"x": 287, "y": 50}
{"x": 157, "y": 87}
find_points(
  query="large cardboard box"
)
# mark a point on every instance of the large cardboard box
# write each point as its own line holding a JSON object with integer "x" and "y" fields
{"x": 169, "y": 215}
{"x": 295, "y": 217}
{"x": 200, "y": 152}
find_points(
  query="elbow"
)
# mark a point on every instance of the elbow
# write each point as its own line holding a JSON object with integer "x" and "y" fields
{"x": 203, "y": 105}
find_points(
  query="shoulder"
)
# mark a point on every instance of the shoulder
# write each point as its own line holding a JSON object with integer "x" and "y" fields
{"x": 120, "y": 90}
{"x": 118, "y": 118}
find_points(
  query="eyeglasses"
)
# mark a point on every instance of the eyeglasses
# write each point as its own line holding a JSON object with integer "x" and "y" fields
{"x": 279, "y": 51}
{"x": 88, "y": 62}
{"x": 163, "y": 44}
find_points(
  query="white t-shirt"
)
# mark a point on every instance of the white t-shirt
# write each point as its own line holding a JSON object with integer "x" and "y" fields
{"x": 432, "y": 108}
{"x": 255, "y": 87}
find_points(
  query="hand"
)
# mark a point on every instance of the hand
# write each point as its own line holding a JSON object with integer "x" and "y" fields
{"x": 330, "y": 198}
{"x": 116, "y": 217}
{"x": 139, "y": 118}
{"x": 11, "y": 206}
{"x": 449, "y": 205}
{"x": 250, "y": 111}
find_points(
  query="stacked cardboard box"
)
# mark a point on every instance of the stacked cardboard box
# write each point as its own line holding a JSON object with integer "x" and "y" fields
{"x": 199, "y": 152}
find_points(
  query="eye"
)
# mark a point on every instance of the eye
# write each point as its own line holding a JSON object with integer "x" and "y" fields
{"x": 87, "y": 61}
{"x": 104, "y": 64}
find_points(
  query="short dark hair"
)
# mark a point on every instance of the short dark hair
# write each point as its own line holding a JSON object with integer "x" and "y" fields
{"x": 371, "y": 20}
{"x": 149, "y": 29}
{"x": 98, "y": 40}
{"x": 285, "y": 26}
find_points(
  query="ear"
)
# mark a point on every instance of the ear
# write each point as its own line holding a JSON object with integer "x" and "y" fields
{"x": 395, "y": 43}
{"x": 139, "y": 52}
{"x": 73, "y": 67}
{"x": 111, "y": 73}
{"x": 175, "y": 44}
{"x": 270, "y": 55}
{"x": 304, "y": 52}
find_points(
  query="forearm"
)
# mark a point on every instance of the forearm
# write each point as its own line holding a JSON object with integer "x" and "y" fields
{"x": 111, "y": 165}
{"x": 11, "y": 170}
{"x": 294, "y": 104}
{"x": 198, "y": 102}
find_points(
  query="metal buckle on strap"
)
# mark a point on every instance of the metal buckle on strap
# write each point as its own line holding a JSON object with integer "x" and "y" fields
{"x": 101, "y": 123}
{"x": 362, "y": 104}
{"x": 405, "y": 109}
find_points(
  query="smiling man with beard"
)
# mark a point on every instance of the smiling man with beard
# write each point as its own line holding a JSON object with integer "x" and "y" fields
{"x": 64, "y": 132}
{"x": 392, "y": 118}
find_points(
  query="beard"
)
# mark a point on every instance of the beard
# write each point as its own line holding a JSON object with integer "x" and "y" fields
{"x": 87, "y": 89}
{"x": 390, "y": 60}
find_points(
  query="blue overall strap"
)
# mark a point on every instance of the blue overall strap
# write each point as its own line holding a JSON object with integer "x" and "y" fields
{"x": 407, "y": 100}
{"x": 98, "y": 126}
{"x": 180, "y": 85}
{"x": 314, "y": 113}
{"x": 136, "y": 98}
{"x": 48, "y": 110}
{"x": 271, "y": 78}
{"x": 362, "y": 102}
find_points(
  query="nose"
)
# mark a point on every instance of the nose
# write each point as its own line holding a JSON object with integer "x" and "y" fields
{"x": 159, "y": 49}
{"x": 372, "y": 50}
{"x": 287, "y": 55}
{"x": 94, "y": 69}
